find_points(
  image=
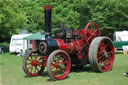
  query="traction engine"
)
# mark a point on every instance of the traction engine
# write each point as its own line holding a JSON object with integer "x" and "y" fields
{"x": 69, "y": 49}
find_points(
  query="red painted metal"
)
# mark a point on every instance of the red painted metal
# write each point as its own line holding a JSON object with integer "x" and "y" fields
{"x": 105, "y": 55}
{"x": 77, "y": 45}
{"x": 34, "y": 64}
{"x": 90, "y": 34}
{"x": 33, "y": 44}
{"x": 68, "y": 47}
{"x": 83, "y": 39}
{"x": 60, "y": 65}
{"x": 48, "y": 7}
{"x": 79, "y": 41}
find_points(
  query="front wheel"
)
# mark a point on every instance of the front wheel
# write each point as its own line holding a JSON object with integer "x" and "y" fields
{"x": 58, "y": 65}
{"x": 33, "y": 63}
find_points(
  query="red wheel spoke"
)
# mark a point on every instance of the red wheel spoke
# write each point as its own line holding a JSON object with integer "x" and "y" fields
{"x": 55, "y": 72}
{"x": 95, "y": 31}
{"x": 37, "y": 68}
{"x": 62, "y": 70}
{"x": 52, "y": 67}
{"x": 31, "y": 57}
{"x": 63, "y": 59}
{"x": 36, "y": 57}
{"x": 100, "y": 52}
{"x": 41, "y": 59}
{"x": 52, "y": 64}
{"x": 40, "y": 65}
{"x": 90, "y": 32}
{"x": 107, "y": 45}
{"x": 110, "y": 63}
{"x": 99, "y": 63}
{"x": 64, "y": 62}
{"x": 106, "y": 62}
{"x": 54, "y": 60}
{"x": 91, "y": 28}
{"x": 60, "y": 73}
{"x": 58, "y": 58}
{"x": 89, "y": 38}
{"x": 31, "y": 69}
{"x": 40, "y": 62}
{"x": 28, "y": 63}
{"x": 99, "y": 58}
{"x": 34, "y": 54}
{"x": 103, "y": 46}
{"x": 110, "y": 52}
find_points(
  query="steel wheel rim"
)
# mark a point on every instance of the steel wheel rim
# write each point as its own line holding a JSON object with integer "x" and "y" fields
{"x": 34, "y": 64}
{"x": 105, "y": 50}
{"x": 101, "y": 60}
{"x": 59, "y": 66}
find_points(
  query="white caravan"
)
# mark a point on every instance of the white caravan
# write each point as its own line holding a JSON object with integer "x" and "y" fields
{"x": 120, "y": 36}
{"x": 18, "y": 45}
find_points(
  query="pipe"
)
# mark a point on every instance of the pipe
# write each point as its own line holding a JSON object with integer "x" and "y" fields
{"x": 48, "y": 13}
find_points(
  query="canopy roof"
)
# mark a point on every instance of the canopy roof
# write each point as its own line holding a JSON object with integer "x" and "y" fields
{"x": 36, "y": 36}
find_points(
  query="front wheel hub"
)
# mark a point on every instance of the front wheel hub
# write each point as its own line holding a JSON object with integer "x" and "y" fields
{"x": 34, "y": 62}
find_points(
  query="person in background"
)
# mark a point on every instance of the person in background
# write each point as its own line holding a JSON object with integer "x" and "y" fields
{"x": 126, "y": 74}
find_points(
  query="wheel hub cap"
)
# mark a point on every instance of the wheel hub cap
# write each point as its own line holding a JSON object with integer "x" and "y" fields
{"x": 34, "y": 62}
{"x": 105, "y": 54}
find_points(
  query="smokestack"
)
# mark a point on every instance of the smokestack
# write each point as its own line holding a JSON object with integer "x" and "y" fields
{"x": 48, "y": 13}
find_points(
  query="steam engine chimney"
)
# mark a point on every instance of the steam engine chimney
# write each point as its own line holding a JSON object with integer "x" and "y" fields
{"x": 48, "y": 10}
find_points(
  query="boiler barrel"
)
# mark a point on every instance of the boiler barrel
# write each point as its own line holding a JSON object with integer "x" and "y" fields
{"x": 70, "y": 48}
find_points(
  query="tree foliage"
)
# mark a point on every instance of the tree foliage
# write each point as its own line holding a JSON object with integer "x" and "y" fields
{"x": 11, "y": 18}
{"x": 16, "y": 15}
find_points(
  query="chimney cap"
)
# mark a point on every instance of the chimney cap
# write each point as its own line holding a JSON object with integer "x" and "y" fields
{"x": 48, "y": 7}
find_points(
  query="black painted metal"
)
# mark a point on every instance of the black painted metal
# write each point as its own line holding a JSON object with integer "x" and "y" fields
{"x": 52, "y": 45}
{"x": 48, "y": 13}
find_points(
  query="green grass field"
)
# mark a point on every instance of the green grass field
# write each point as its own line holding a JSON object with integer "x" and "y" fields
{"x": 11, "y": 73}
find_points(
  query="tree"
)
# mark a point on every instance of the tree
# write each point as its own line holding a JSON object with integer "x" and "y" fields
{"x": 16, "y": 15}
{"x": 11, "y": 18}
{"x": 110, "y": 15}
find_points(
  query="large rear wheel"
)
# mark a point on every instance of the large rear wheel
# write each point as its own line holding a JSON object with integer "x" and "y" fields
{"x": 58, "y": 65}
{"x": 101, "y": 54}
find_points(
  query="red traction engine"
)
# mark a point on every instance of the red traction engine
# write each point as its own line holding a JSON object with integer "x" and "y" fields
{"x": 69, "y": 48}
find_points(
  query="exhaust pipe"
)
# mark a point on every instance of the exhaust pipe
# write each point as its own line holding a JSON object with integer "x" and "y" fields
{"x": 48, "y": 13}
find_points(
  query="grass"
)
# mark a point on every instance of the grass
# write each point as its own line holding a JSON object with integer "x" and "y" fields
{"x": 11, "y": 73}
